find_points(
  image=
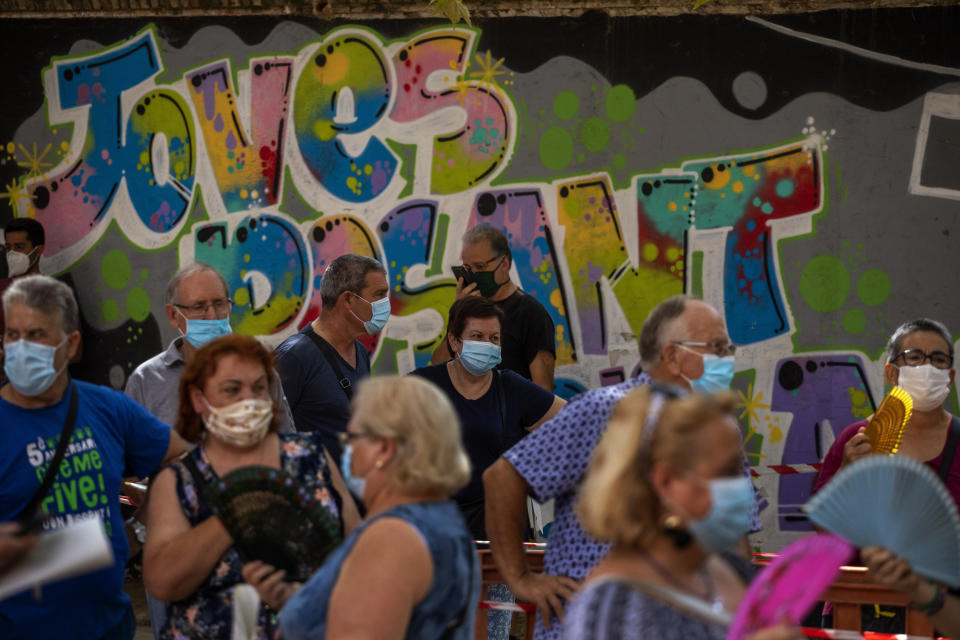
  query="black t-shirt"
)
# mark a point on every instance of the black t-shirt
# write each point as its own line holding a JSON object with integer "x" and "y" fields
{"x": 527, "y": 329}
{"x": 482, "y": 428}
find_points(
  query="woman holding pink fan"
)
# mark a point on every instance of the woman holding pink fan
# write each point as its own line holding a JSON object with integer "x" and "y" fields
{"x": 665, "y": 485}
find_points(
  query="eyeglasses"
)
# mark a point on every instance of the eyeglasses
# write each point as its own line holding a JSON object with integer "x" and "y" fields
{"x": 719, "y": 348}
{"x": 916, "y": 357}
{"x": 480, "y": 266}
{"x": 221, "y": 308}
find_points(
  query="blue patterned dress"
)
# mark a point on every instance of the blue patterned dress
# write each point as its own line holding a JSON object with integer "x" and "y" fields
{"x": 208, "y": 612}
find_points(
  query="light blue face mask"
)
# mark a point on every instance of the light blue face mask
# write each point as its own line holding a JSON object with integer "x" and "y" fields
{"x": 717, "y": 374}
{"x": 356, "y": 485}
{"x": 479, "y": 357}
{"x": 381, "y": 313}
{"x": 200, "y": 331}
{"x": 29, "y": 366}
{"x": 729, "y": 517}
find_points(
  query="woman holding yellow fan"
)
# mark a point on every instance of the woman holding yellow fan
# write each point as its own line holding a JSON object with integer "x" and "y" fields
{"x": 920, "y": 362}
{"x": 911, "y": 421}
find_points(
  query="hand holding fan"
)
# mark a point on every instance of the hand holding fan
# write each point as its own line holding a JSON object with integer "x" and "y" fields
{"x": 897, "y": 503}
{"x": 885, "y": 429}
{"x": 272, "y": 518}
{"x": 789, "y": 586}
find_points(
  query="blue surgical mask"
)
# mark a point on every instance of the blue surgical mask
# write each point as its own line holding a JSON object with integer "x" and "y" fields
{"x": 479, "y": 357}
{"x": 717, "y": 374}
{"x": 29, "y": 366}
{"x": 356, "y": 485}
{"x": 200, "y": 331}
{"x": 731, "y": 508}
{"x": 381, "y": 313}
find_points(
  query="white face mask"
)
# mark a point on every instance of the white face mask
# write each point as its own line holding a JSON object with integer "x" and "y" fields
{"x": 928, "y": 386}
{"x": 242, "y": 424}
{"x": 18, "y": 263}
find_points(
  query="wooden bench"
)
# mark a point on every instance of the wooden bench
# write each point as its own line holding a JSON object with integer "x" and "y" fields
{"x": 852, "y": 588}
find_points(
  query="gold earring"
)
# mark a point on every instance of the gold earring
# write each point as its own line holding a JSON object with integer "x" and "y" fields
{"x": 378, "y": 464}
{"x": 672, "y": 521}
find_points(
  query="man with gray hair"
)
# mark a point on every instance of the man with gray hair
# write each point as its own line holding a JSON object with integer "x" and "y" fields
{"x": 66, "y": 446}
{"x": 322, "y": 363}
{"x": 197, "y": 304}
{"x": 681, "y": 341}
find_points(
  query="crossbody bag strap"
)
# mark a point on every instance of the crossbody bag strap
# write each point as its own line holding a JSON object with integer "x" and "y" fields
{"x": 673, "y": 597}
{"x": 26, "y": 516}
{"x": 953, "y": 440}
{"x": 331, "y": 355}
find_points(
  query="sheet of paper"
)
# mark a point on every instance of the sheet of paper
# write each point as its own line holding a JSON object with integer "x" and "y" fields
{"x": 77, "y": 548}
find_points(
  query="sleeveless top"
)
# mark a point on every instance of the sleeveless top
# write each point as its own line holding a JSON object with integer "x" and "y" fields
{"x": 448, "y": 610}
{"x": 208, "y": 611}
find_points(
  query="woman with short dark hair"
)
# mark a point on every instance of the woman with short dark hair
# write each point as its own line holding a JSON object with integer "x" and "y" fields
{"x": 496, "y": 407}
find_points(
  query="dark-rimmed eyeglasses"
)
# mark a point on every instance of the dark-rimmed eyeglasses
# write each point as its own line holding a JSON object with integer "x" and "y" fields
{"x": 220, "y": 307}
{"x": 480, "y": 266}
{"x": 916, "y": 357}
{"x": 718, "y": 348}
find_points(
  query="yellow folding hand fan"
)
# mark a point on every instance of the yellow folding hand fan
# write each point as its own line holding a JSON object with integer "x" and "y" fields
{"x": 885, "y": 428}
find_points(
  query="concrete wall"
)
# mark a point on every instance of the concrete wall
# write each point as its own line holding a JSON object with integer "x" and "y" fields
{"x": 799, "y": 172}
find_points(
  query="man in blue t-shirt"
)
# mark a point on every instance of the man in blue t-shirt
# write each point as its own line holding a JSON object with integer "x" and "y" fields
{"x": 321, "y": 365}
{"x": 112, "y": 438}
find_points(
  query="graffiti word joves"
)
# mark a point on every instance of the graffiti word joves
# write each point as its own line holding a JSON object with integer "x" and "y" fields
{"x": 324, "y": 131}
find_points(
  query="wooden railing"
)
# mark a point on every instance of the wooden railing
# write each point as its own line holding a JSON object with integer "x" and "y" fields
{"x": 852, "y": 588}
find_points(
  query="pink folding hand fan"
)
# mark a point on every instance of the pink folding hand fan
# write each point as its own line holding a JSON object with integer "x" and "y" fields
{"x": 788, "y": 587}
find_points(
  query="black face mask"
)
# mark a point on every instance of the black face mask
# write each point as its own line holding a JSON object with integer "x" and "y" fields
{"x": 486, "y": 281}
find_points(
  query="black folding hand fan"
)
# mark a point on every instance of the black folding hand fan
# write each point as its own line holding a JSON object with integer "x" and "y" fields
{"x": 274, "y": 519}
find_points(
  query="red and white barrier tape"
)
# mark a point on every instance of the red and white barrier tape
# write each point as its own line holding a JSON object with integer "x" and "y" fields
{"x": 840, "y": 634}
{"x": 784, "y": 469}
{"x": 808, "y": 632}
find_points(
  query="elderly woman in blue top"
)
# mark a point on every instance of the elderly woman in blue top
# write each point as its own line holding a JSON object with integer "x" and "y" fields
{"x": 496, "y": 407}
{"x": 410, "y": 569}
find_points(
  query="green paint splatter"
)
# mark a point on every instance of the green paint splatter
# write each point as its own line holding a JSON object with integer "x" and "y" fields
{"x": 138, "y": 304}
{"x": 595, "y": 134}
{"x": 566, "y": 105}
{"x": 110, "y": 310}
{"x": 556, "y": 149}
{"x": 824, "y": 283}
{"x": 241, "y": 297}
{"x": 854, "y": 321}
{"x": 619, "y": 161}
{"x": 115, "y": 269}
{"x": 621, "y": 103}
{"x": 873, "y": 287}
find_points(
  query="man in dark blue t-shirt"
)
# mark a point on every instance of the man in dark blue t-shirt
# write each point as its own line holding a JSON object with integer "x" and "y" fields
{"x": 321, "y": 365}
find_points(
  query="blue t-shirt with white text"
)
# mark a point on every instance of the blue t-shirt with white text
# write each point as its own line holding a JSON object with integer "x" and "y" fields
{"x": 113, "y": 438}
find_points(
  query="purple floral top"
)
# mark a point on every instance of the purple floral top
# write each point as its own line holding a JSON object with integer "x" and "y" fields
{"x": 208, "y": 612}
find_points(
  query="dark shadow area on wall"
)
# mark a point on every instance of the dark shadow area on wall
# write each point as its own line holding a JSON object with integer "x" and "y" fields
{"x": 640, "y": 51}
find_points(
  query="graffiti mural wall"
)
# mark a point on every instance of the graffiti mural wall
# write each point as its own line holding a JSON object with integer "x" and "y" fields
{"x": 799, "y": 174}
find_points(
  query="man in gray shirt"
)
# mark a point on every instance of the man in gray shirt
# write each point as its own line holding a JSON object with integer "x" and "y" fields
{"x": 198, "y": 306}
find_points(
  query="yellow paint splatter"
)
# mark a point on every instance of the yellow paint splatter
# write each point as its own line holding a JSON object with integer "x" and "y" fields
{"x": 672, "y": 254}
{"x": 672, "y": 206}
{"x": 244, "y": 194}
{"x": 737, "y": 187}
{"x": 242, "y": 295}
{"x": 246, "y": 257}
{"x": 776, "y": 435}
{"x": 368, "y": 169}
{"x": 254, "y": 194}
{"x": 556, "y": 299}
